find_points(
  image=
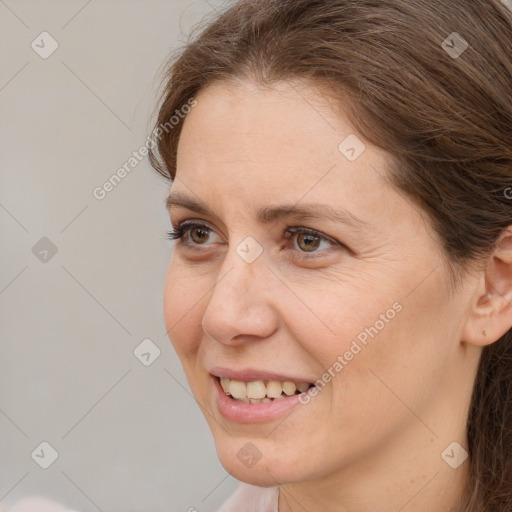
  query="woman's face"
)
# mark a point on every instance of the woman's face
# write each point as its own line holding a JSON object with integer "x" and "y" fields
{"x": 360, "y": 303}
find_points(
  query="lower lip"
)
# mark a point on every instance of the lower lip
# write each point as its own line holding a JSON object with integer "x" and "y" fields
{"x": 241, "y": 412}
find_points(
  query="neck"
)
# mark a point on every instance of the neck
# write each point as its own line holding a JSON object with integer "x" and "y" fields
{"x": 408, "y": 475}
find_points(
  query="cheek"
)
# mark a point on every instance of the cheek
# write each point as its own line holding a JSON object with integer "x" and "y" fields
{"x": 394, "y": 352}
{"x": 371, "y": 338}
{"x": 182, "y": 309}
{"x": 342, "y": 318}
{"x": 371, "y": 320}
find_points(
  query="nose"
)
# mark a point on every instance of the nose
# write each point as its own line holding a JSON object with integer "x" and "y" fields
{"x": 240, "y": 308}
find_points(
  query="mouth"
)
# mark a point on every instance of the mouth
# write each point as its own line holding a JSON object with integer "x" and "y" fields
{"x": 256, "y": 401}
{"x": 261, "y": 391}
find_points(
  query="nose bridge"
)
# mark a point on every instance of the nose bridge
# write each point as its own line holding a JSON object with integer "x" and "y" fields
{"x": 239, "y": 302}
{"x": 243, "y": 267}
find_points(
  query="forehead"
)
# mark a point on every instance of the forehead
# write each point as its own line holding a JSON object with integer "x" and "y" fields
{"x": 292, "y": 118}
{"x": 250, "y": 146}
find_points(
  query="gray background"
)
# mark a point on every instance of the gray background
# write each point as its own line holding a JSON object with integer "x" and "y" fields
{"x": 129, "y": 437}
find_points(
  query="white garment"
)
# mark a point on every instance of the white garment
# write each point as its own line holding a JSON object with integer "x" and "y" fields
{"x": 37, "y": 504}
{"x": 250, "y": 498}
{"x": 245, "y": 498}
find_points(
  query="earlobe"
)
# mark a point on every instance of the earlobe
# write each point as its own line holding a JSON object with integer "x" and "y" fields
{"x": 491, "y": 314}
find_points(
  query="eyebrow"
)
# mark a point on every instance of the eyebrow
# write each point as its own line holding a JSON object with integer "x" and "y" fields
{"x": 268, "y": 214}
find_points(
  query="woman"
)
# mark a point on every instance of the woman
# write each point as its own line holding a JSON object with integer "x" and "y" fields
{"x": 347, "y": 166}
{"x": 339, "y": 292}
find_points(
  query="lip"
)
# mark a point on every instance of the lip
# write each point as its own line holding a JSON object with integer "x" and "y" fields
{"x": 241, "y": 412}
{"x": 250, "y": 375}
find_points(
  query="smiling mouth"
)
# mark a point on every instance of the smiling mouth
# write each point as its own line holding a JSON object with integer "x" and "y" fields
{"x": 261, "y": 391}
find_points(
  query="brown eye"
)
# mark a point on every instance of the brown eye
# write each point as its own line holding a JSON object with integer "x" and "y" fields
{"x": 191, "y": 234}
{"x": 308, "y": 242}
{"x": 199, "y": 235}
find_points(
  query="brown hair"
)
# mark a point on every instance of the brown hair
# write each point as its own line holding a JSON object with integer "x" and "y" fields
{"x": 444, "y": 119}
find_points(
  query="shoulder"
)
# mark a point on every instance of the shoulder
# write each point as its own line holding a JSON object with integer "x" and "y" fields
{"x": 251, "y": 498}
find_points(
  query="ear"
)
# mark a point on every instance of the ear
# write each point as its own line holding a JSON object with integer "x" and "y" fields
{"x": 490, "y": 316}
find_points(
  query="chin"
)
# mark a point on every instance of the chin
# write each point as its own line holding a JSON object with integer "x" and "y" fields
{"x": 239, "y": 457}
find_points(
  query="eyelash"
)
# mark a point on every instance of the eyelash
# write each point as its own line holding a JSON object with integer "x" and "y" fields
{"x": 182, "y": 229}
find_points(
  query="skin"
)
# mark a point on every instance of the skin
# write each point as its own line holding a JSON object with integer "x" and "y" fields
{"x": 383, "y": 421}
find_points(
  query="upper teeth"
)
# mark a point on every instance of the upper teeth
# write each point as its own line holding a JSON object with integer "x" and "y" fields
{"x": 256, "y": 390}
